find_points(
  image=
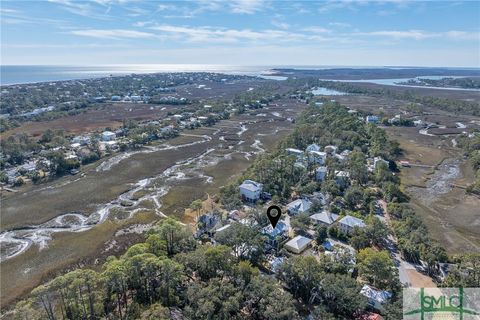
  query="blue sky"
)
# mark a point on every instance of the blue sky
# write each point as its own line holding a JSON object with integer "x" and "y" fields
{"x": 241, "y": 32}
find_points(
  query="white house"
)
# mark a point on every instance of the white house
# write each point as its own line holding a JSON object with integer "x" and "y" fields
{"x": 317, "y": 157}
{"x": 294, "y": 152}
{"x": 313, "y": 147}
{"x": 325, "y": 218}
{"x": 378, "y": 160}
{"x": 250, "y": 190}
{"x": 276, "y": 263}
{"x": 371, "y": 119}
{"x": 299, "y": 206}
{"x": 321, "y": 173}
{"x": 281, "y": 229}
{"x": 376, "y": 298}
{"x": 108, "y": 136}
{"x": 347, "y": 223}
{"x": 135, "y": 98}
{"x": 298, "y": 244}
{"x": 342, "y": 177}
{"x": 29, "y": 166}
{"x": 83, "y": 140}
{"x": 330, "y": 149}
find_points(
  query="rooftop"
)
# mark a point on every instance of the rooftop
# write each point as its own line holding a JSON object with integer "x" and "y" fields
{"x": 301, "y": 205}
{"x": 325, "y": 217}
{"x": 352, "y": 221}
{"x": 299, "y": 242}
{"x": 380, "y": 296}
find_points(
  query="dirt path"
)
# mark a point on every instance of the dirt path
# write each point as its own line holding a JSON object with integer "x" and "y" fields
{"x": 409, "y": 276}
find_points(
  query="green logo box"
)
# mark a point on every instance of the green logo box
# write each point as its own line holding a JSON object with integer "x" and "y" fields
{"x": 441, "y": 303}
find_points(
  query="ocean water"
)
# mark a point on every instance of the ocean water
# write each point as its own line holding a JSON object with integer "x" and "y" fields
{"x": 11, "y": 74}
{"x": 30, "y": 74}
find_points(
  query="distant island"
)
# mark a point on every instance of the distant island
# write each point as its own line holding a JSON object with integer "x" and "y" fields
{"x": 375, "y": 73}
{"x": 466, "y": 83}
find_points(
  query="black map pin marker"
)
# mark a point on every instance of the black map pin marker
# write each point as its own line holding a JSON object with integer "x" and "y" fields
{"x": 273, "y": 214}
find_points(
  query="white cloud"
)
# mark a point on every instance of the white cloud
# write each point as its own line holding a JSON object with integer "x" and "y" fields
{"x": 340, "y": 24}
{"x": 112, "y": 33}
{"x": 142, "y": 24}
{"x": 280, "y": 24}
{"x": 246, "y": 6}
{"x": 409, "y": 34}
{"x": 317, "y": 30}
{"x": 164, "y": 7}
{"x": 420, "y": 34}
{"x": 210, "y": 34}
{"x": 463, "y": 35}
{"x": 81, "y": 8}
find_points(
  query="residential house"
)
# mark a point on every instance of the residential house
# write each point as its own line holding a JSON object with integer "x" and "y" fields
{"x": 371, "y": 119}
{"x": 250, "y": 191}
{"x": 347, "y": 223}
{"x": 378, "y": 160}
{"x": 275, "y": 263}
{"x": 206, "y": 222}
{"x": 321, "y": 173}
{"x": 317, "y": 157}
{"x": 108, "y": 136}
{"x": 342, "y": 254}
{"x": 330, "y": 149}
{"x": 313, "y": 147}
{"x": 325, "y": 218}
{"x": 280, "y": 230}
{"x": 298, "y": 244}
{"x": 135, "y": 98}
{"x": 75, "y": 145}
{"x": 376, "y": 298}
{"x": 294, "y": 152}
{"x": 299, "y": 206}
{"x": 29, "y": 166}
{"x": 342, "y": 178}
{"x": 83, "y": 140}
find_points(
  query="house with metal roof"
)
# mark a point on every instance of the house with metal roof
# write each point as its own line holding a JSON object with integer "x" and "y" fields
{"x": 347, "y": 223}
{"x": 376, "y": 298}
{"x": 325, "y": 218}
{"x": 321, "y": 173}
{"x": 313, "y": 147}
{"x": 299, "y": 206}
{"x": 298, "y": 244}
{"x": 250, "y": 190}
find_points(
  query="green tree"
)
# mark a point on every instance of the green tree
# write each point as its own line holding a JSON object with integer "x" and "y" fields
{"x": 359, "y": 239}
{"x": 196, "y": 206}
{"x": 155, "y": 312}
{"x": 340, "y": 294}
{"x": 207, "y": 261}
{"x": 215, "y": 299}
{"x": 321, "y": 234}
{"x": 300, "y": 223}
{"x": 301, "y": 274}
{"x": 376, "y": 267}
{"x": 246, "y": 242}
{"x": 265, "y": 299}
{"x": 375, "y": 230}
{"x": 175, "y": 235}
